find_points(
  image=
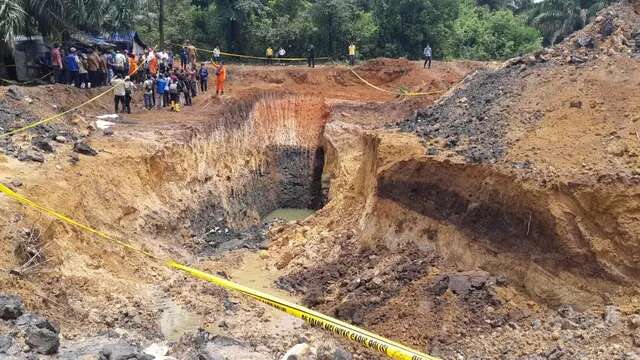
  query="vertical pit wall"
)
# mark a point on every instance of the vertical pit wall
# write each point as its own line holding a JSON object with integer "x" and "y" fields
{"x": 263, "y": 153}
{"x": 562, "y": 245}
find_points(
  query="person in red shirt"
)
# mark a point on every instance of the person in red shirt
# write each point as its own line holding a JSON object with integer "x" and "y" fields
{"x": 56, "y": 62}
{"x": 221, "y": 76}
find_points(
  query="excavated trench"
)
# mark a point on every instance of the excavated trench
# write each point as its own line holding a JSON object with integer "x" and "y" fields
{"x": 264, "y": 153}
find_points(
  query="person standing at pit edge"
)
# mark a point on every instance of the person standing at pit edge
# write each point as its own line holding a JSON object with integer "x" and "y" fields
{"x": 203, "y": 74}
{"x": 216, "y": 54}
{"x": 311, "y": 56}
{"x": 427, "y": 56}
{"x": 56, "y": 62}
{"x": 118, "y": 92}
{"x": 352, "y": 54}
{"x": 269, "y": 54}
{"x": 221, "y": 76}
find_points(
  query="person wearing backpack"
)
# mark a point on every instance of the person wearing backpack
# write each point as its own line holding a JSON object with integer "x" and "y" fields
{"x": 174, "y": 93}
{"x": 184, "y": 84}
{"x": 148, "y": 93}
{"x": 129, "y": 86}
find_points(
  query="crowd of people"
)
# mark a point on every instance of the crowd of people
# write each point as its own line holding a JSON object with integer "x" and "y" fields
{"x": 164, "y": 83}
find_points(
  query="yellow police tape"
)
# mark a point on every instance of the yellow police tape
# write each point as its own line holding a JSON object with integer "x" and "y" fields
{"x": 255, "y": 57}
{"x": 25, "y": 82}
{"x": 372, "y": 341}
{"x": 40, "y": 122}
{"x": 400, "y": 93}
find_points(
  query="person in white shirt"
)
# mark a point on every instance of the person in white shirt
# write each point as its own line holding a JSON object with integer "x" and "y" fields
{"x": 216, "y": 54}
{"x": 121, "y": 62}
{"x": 427, "y": 56}
{"x": 281, "y": 53}
{"x": 119, "y": 91}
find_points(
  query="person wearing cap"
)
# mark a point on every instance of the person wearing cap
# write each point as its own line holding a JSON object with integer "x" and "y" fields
{"x": 129, "y": 86}
{"x": 119, "y": 92}
{"x": 71, "y": 63}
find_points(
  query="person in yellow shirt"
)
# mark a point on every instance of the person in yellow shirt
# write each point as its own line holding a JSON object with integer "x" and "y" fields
{"x": 269, "y": 55}
{"x": 352, "y": 54}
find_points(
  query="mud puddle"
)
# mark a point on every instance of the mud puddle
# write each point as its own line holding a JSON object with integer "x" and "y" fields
{"x": 288, "y": 214}
{"x": 176, "y": 321}
{"x": 256, "y": 273}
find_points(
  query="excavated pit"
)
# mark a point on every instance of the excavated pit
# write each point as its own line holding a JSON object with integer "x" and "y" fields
{"x": 264, "y": 153}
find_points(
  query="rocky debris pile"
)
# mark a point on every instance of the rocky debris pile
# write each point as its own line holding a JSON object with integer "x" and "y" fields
{"x": 46, "y": 138}
{"x": 473, "y": 120}
{"x": 562, "y": 333}
{"x": 615, "y": 30}
{"x": 358, "y": 282}
{"x": 38, "y": 335}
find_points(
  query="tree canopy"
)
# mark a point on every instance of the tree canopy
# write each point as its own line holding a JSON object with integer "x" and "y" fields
{"x": 476, "y": 29}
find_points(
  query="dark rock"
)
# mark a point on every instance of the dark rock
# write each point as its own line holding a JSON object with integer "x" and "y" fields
{"x": 15, "y": 92}
{"x": 15, "y": 183}
{"x": 84, "y": 149}
{"x": 107, "y": 132}
{"x": 464, "y": 283}
{"x": 460, "y": 285}
{"x": 607, "y": 27}
{"x": 42, "y": 144}
{"x": 441, "y": 285}
{"x": 30, "y": 156}
{"x": 122, "y": 352}
{"x": 585, "y": 41}
{"x": 42, "y": 341}
{"x": 37, "y": 321}
{"x": 11, "y": 307}
{"x": 574, "y": 59}
{"x": 576, "y": 104}
{"x": 566, "y": 311}
{"x": 326, "y": 352}
{"x": 5, "y": 343}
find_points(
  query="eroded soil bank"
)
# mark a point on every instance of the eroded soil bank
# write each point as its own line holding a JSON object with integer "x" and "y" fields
{"x": 456, "y": 228}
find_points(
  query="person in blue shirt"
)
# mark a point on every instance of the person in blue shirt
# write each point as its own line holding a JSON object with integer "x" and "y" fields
{"x": 72, "y": 66}
{"x": 204, "y": 78}
{"x": 161, "y": 83}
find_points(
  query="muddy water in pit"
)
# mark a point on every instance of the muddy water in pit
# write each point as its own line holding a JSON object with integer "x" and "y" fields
{"x": 176, "y": 321}
{"x": 288, "y": 214}
{"x": 256, "y": 274}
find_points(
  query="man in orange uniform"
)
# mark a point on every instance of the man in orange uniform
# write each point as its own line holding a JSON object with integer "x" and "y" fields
{"x": 221, "y": 76}
{"x": 133, "y": 66}
{"x": 153, "y": 64}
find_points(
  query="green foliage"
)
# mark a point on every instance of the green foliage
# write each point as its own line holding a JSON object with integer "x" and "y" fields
{"x": 479, "y": 33}
{"x": 480, "y": 29}
{"x": 406, "y": 26}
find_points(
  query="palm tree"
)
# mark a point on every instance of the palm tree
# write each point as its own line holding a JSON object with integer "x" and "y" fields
{"x": 559, "y": 18}
{"x": 54, "y": 17}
